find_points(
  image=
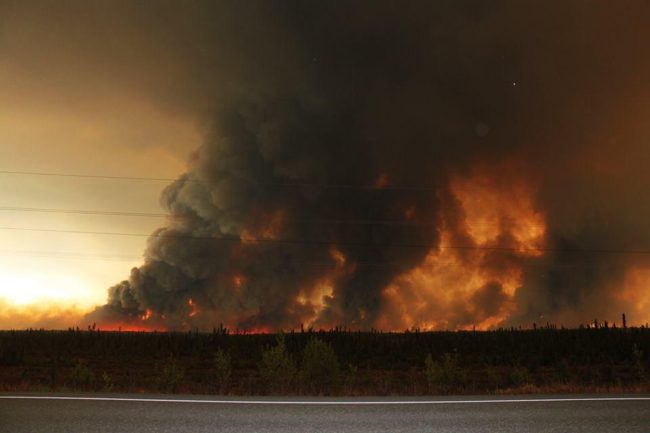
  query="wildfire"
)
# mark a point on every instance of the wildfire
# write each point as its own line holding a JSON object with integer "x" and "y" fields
{"x": 382, "y": 181}
{"x": 409, "y": 213}
{"x": 135, "y": 325}
{"x": 493, "y": 210}
{"x": 267, "y": 227}
{"x": 635, "y": 295}
{"x": 146, "y": 315}
{"x": 255, "y": 330}
{"x": 315, "y": 298}
{"x": 130, "y": 327}
{"x": 474, "y": 285}
{"x": 194, "y": 310}
{"x": 337, "y": 256}
{"x": 238, "y": 281}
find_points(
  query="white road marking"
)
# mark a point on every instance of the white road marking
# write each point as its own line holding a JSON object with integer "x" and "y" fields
{"x": 326, "y": 402}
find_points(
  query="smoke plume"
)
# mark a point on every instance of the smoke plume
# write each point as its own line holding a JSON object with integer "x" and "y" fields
{"x": 386, "y": 164}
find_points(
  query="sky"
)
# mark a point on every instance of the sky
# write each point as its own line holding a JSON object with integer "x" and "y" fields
{"x": 442, "y": 165}
{"x": 62, "y": 114}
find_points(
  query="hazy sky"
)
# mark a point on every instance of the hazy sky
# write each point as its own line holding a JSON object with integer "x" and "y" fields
{"x": 64, "y": 109}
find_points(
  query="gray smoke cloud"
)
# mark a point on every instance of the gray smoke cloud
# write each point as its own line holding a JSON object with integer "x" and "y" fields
{"x": 297, "y": 97}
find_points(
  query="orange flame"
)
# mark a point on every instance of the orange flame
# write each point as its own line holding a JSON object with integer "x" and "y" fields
{"x": 474, "y": 285}
{"x": 338, "y": 257}
{"x": 146, "y": 315}
{"x": 492, "y": 210}
{"x": 268, "y": 228}
{"x": 256, "y": 330}
{"x": 130, "y": 327}
{"x": 238, "y": 280}
{"x": 409, "y": 213}
{"x": 635, "y": 296}
{"x": 194, "y": 310}
{"x": 315, "y": 298}
{"x": 382, "y": 181}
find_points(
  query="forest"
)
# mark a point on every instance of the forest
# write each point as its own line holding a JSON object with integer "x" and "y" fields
{"x": 597, "y": 358}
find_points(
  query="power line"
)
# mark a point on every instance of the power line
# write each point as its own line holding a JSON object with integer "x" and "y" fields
{"x": 82, "y": 211}
{"x": 69, "y": 255}
{"x": 110, "y": 257}
{"x": 74, "y": 255}
{"x": 369, "y": 187}
{"x": 86, "y": 176}
{"x": 64, "y": 255}
{"x": 291, "y": 221}
{"x": 237, "y": 239}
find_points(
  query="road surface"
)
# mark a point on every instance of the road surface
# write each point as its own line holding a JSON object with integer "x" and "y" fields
{"x": 53, "y": 413}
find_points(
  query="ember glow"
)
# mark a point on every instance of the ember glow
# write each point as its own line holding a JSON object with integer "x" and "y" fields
{"x": 194, "y": 310}
{"x": 146, "y": 316}
{"x": 636, "y": 291}
{"x": 263, "y": 227}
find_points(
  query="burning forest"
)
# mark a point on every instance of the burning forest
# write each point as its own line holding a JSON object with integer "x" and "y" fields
{"x": 404, "y": 184}
{"x": 371, "y": 165}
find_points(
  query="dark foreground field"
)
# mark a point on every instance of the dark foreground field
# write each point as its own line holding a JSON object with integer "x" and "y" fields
{"x": 328, "y": 363}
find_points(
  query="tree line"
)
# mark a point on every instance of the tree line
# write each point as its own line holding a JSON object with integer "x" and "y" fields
{"x": 334, "y": 362}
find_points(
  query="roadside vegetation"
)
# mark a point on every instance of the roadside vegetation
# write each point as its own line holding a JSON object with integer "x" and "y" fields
{"x": 332, "y": 362}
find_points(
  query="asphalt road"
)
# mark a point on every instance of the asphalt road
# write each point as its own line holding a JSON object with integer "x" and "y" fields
{"x": 181, "y": 414}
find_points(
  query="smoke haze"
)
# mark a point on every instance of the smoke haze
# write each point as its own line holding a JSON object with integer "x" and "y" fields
{"x": 379, "y": 164}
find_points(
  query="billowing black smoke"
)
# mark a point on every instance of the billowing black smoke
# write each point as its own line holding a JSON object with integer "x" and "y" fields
{"x": 296, "y": 165}
{"x": 315, "y": 111}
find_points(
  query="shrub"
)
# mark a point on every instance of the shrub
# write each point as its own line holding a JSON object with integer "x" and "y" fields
{"x": 493, "y": 377}
{"x": 53, "y": 373}
{"x": 445, "y": 374}
{"x": 222, "y": 368}
{"x": 637, "y": 360}
{"x": 107, "y": 382}
{"x": 519, "y": 376}
{"x": 171, "y": 375}
{"x": 351, "y": 378}
{"x": 277, "y": 369}
{"x": 563, "y": 371}
{"x": 81, "y": 376}
{"x": 320, "y": 367}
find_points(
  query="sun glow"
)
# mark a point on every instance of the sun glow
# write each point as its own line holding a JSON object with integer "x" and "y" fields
{"x": 22, "y": 289}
